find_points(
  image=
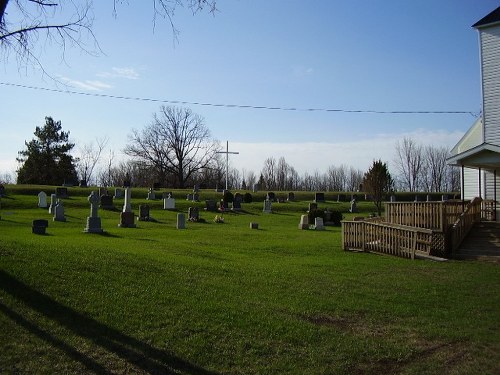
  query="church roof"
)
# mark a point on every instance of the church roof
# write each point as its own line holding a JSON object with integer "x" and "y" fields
{"x": 489, "y": 20}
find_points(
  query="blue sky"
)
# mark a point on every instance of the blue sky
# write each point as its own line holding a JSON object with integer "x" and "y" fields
{"x": 380, "y": 55}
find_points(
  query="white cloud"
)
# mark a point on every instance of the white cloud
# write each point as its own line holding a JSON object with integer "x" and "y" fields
{"x": 116, "y": 72}
{"x": 87, "y": 84}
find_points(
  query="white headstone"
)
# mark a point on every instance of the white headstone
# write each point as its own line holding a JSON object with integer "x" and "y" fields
{"x": 304, "y": 222}
{"x": 169, "y": 204}
{"x": 318, "y": 223}
{"x": 42, "y": 199}
{"x": 126, "y": 204}
{"x": 52, "y": 203}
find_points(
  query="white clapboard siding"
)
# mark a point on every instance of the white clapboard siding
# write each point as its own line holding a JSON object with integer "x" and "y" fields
{"x": 489, "y": 182}
{"x": 490, "y": 69}
{"x": 471, "y": 183}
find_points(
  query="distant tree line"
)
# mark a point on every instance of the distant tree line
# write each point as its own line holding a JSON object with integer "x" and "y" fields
{"x": 176, "y": 150}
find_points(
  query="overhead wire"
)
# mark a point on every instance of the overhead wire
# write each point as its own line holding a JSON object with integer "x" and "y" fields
{"x": 240, "y": 106}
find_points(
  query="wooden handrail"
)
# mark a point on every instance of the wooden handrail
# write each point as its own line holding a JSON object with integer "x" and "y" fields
{"x": 464, "y": 223}
{"x": 394, "y": 239}
{"x": 431, "y": 215}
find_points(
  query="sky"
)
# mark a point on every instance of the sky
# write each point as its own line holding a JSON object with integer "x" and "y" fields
{"x": 351, "y": 56}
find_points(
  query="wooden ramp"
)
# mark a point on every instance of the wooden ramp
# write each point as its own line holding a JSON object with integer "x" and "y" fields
{"x": 482, "y": 242}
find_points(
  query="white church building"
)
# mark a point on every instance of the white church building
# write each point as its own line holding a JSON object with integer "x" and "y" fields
{"x": 478, "y": 152}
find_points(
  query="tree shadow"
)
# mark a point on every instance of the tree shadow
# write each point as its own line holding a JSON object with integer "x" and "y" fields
{"x": 130, "y": 349}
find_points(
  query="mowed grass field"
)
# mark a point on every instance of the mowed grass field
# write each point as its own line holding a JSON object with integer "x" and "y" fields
{"x": 226, "y": 299}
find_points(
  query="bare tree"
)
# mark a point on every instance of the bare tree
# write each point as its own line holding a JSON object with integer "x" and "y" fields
{"x": 409, "y": 162}
{"x": 88, "y": 158}
{"x": 435, "y": 162}
{"x": 176, "y": 142}
{"x": 25, "y": 25}
{"x": 269, "y": 173}
{"x": 250, "y": 179}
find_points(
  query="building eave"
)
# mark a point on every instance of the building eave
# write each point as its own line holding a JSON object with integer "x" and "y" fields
{"x": 485, "y": 156}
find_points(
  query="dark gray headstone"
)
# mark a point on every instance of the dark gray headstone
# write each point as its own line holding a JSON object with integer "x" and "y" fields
{"x": 319, "y": 197}
{"x": 144, "y": 212}
{"x": 39, "y": 226}
{"x": 61, "y": 192}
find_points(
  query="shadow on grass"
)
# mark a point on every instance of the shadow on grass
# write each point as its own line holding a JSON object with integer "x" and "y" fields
{"x": 130, "y": 349}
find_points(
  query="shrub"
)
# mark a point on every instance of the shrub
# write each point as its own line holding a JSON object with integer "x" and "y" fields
{"x": 336, "y": 218}
{"x": 247, "y": 198}
{"x": 314, "y": 214}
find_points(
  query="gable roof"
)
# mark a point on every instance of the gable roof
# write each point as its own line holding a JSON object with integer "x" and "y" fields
{"x": 489, "y": 20}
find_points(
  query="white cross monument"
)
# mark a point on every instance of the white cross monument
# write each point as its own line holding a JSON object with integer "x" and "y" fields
{"x": 227, "y": 159}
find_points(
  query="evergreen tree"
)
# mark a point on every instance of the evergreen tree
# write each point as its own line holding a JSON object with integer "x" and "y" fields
{"x": 46, "y": 159}
{"x": 378, "y": 183}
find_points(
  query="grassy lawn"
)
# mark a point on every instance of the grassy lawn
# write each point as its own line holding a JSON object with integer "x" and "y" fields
{"x": 226, "y": 299}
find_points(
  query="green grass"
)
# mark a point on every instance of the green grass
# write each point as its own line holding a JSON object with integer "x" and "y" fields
{"x": 225, "y": 299}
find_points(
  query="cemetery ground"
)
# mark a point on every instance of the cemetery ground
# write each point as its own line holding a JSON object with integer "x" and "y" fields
{"x": 226, "y": 299}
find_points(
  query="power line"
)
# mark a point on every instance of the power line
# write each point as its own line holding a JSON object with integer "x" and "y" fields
{"x": 241, "y": 106}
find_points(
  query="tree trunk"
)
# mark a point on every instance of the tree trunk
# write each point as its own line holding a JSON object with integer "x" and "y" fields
{"x": 3, "y": 5}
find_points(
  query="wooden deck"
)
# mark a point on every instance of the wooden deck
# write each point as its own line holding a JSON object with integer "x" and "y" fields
{"x": 481, "y": 243}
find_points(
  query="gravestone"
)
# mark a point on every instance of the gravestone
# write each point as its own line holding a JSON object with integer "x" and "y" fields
{"x": 144, "y": 212}
{"x": 82, "y": 183}
{"x": 62, "y": 192}
{"x": 107, "y": 202}
{"x": 255, "y": 188}
{"x": 93, "y": 221}
{"x": 238, "y": 198}
{"x": 196, "y": 197}
{"x": 318, "y": 223}
{"x": 319, "y": 197}
{"x": 59, "y": 211}
{"x": 393, "y": 198}
{"x": 42, "y": 199}
{"x": 167, "y": 195}
{"x": 127, "y": 219}
{"x": 181, "y": 221}
{"x": 312, "y": 206}
{"x": 118, "y": 193}
{"x": 354, "y": 207}
{"x": 291, "y": 196}
{"x": 271, "y": 196}
{"x": 254, "y": 225}
{"x": 169, "y": 203}
{"x": 189, "y": 197}
{"x": 103, "y": 191}
{"x": 193, "y": 214}
{"x": 210, "y": 205}
{"x": 268, "y": 207}
{"x": 39, "y": 226}
{"x": 126, "y": 204}
{"x": 52, "y": 203}
{"x": 304, "y": 222}
{"x": 151, "y": 195}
